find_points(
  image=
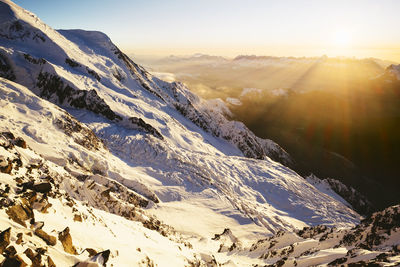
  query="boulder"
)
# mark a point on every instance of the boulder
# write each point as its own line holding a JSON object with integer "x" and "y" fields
{"x": 15, "y": 261}
{"x": 77, "y": 218}
{"x": 4, "y": 239}
{"x": 19, "y": 238}
{"x": 91, "y": 252}
{"x": 49, "y": 239}
{"x": 42, "y": 187}
{"x": 50, "y": 262}
{"x": 100, "y": 259}
{"x": 20, "y": 142}
{"x": 66, "y": 241}
{"x": 5, "y": 167}
{"x": 36, "y": 259}
{"x": 18, "y": 214}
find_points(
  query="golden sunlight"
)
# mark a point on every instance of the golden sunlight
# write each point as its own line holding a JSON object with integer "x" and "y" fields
{"x": 341, "y": 39}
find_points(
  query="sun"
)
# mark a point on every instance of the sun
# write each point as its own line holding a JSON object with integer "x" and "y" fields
{"x": 341, "y": 39}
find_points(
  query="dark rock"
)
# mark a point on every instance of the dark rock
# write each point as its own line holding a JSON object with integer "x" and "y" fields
{"x": 6, "y": 70}
{"x": 337, "y": 262}
{"x": 226, "y": 231}
{"x": 142, "y": 125}
{"x": 104, "y": 254}
{"x": 18, "y": 214}
{"x": 8, "y": 135}
{"x": 93, "y": 73}
{"x": 10, "y": 251}
{"x": 117, "y": 75}
{"x": 50, "y": 262}
{"x": 72, "y": 63}
{"x": 13, "y": 262}
{"x": 50, "y": 240}
{"x": 91, "y": 252}
{"x": 7, "y": 169}
{"x": 19, "y": 238}
{"x": 77, "y": 218}
{"x": 53, "y": 87}
{"x": 4, "y": 239}
{"x": 29, "y": 253}
{"x": 35, "y": 258}
{"x": 33, "y": 60}
{"x": 42, "y": 187}
{"x": 20, "y": 142}
{"x": 66, "y": 241}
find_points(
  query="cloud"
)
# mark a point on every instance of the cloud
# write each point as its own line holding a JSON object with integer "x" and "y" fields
{"x": 166, "y": 76}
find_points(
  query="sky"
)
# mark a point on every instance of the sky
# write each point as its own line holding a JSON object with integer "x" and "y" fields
{"x": 359, "y": 28}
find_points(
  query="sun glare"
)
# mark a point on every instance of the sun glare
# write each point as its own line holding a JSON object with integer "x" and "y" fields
{"x": 341, "y": 39}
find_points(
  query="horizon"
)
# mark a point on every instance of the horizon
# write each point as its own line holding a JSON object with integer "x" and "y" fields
{"x": 360, "y": 29}
{"x": 234, "y": 56}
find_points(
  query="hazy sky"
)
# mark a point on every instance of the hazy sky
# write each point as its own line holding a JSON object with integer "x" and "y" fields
{"x": 359, "y": 28}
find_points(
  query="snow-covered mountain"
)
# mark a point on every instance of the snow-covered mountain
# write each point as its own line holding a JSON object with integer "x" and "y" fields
{"x": 102, "y": 162}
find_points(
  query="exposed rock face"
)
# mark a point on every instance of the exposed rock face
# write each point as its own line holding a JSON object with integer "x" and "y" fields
{"x": 142, "y": 125}
{"x": 77, "y": 218}
{"x": 52, "y": 86}
{"x": 359, "y": 202}
{"x": 33, "y": 60}
{"x": 374, "y": 237}
{"x": 82, "y": 135}
{"x": 4, "y": 239}
{"x": 72, "y": 63}
{"x": 49, "y": 239}
{"x": 50, "y": 262}
{"x": 20, "y": 142}
{"x": 13, "y": 261}
{"x": 374, "y": 230}
{"x": 100, "y": 258}
{"x": 93, "y": 73}
{"x": 42, "y": 187}
{"x": 19, "y": 213}
{"x": 20, "y": 30}
{"x": 66, "y": 240}
{"x": 6, "y": 70}
{"x": 36, "y": 258}
{"x": 5, "y": 165}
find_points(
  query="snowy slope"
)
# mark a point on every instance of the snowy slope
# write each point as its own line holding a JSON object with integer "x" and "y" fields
{"x": 61, "y": 66}
{"x": 140, "y": 117}
{"x": 110, "y": 205}
{"x": 128, "y": 150}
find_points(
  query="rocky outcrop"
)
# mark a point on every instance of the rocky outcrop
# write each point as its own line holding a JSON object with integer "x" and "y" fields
{"x": 100, "y": 258}
{"x": 20, "y": 30}
{"x": 82, "y": 134}
{"x": 358, "y": 201}
{"x": 4, "y": 239}
{"x": 49, "y": 239}
{"x": 19, "y": 213}
{"x": 6, "y": 70}
{"x": 66, "y": 241}
{"x": 53, "y": 88}
{"x": 140, "y": 124}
